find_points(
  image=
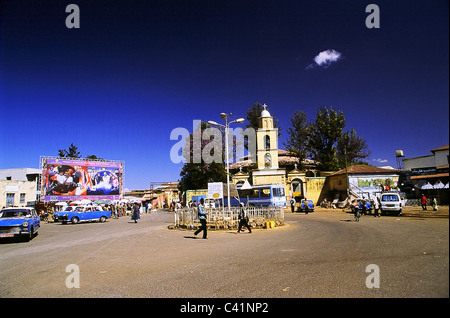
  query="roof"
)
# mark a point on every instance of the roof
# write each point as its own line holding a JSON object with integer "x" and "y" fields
{"x": 282, "y": 161}
{"x": 364, "y": 169}
{"x": 440, "y": 148}
{"x": 437, "y": 175}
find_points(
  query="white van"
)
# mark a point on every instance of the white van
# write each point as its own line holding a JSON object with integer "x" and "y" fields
{"x": 391, "y": 203}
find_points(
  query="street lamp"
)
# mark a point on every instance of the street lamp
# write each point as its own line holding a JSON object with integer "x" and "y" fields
{"x": 224, "y": 116}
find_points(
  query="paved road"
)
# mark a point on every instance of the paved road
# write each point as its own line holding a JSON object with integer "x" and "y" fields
{"x": 323, "y": 254}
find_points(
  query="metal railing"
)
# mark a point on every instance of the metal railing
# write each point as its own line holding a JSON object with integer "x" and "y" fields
{"x": 220, "y": 218}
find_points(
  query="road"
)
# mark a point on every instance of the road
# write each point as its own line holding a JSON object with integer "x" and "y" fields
{"x": 322, "y": 254}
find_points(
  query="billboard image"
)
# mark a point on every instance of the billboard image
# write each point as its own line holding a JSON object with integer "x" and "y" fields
{"x": 76, "y": 179}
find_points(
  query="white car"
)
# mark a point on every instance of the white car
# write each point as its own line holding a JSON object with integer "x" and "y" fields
{"x": 391, "y": 203}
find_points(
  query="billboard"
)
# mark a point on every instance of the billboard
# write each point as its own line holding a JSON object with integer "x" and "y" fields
{"x": 76, "y": 179}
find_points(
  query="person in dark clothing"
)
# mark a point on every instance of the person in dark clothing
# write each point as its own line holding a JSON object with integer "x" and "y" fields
{"x": 135, "y": 214}
{"x": 201, "y": 213}
{"x": 243, "y": 219}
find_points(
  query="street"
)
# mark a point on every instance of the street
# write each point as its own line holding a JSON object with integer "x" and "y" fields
{"x": 322, "y": 254}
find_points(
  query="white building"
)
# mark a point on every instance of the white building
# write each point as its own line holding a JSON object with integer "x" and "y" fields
{"x": 430, "y": 174}
{"x": 18, "y": 187}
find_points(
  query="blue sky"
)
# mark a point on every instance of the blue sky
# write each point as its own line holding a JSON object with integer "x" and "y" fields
{"x": 135, "y": 70}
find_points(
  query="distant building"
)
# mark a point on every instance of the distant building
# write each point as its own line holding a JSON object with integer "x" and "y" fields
{"x": 160, "y": 194}
{"x": 19, "y": 187}
{"x": 429, "y": 174}
{"x": 362, "y": 181}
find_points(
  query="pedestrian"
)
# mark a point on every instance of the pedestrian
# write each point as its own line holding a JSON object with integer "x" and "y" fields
{"x": 364, "y": 207}
{"x": 292, "y": 204}
{"x": 243, "y": 219}
{"x": 376, "y": 206}
{"x": 135, "y": 213}
{"x": 201, "y": 213}
{"x": 435, "y": 205}
{"x": 424, "y": 202}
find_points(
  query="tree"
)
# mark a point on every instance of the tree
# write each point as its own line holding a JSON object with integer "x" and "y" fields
{"x": 94, "y": 157}
{"x": 252, "y": 115}
{"x": 72, "y": 152}
{"x": 298, "y": 140}
{"x": 351, "y": 149}
{"x": 196, "y": 173}
{"x": 324, "y": 140}
{"x": 324, "y": 134}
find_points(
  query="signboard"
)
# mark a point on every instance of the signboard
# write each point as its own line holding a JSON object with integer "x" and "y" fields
{"x": 76, "y": 179}
{"x": 215, "y": 190}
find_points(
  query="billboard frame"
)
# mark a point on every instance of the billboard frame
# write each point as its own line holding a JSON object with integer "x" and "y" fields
{"x": 43, "y": 197}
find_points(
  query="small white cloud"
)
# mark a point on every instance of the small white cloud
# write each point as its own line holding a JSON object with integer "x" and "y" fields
{"x": 325, "y": 59}
{"x": 380, "y": 160}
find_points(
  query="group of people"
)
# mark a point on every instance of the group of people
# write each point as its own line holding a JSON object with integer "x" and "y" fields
{"x": 201, "y": 213}
{"x": 424, "y": 202}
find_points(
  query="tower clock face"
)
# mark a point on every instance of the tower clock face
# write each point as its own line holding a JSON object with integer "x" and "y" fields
{"x": 267, "y": 160}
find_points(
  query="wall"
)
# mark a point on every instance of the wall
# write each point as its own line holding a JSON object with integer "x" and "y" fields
{"x": 314, "y": 188}
{"x": 17, "y": 187}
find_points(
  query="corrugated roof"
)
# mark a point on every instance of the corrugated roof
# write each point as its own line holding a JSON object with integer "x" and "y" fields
{"x": 364, "y": 169}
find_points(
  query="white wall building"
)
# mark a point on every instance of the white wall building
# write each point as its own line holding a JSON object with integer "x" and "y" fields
{"x": 18, "y": 187}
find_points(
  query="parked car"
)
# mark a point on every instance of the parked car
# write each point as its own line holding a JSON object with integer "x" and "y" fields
{"x": 306, "y": 205}
{"x": 82, "y": 213}
{"x": 357, "y": 205}
{"x": 19, "y": 222}
{"x": 391, "y": 203}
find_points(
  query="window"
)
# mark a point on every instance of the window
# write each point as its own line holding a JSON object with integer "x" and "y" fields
{"x": 9, "y": 199}
{"x": 254, "y": 193}
{"x": 22, "y": 198}
{"x": 265, "y": 193}
{"x": 267, "y": 141}
{"x": 388, "y": 197}
{"x": 297, "y": 185}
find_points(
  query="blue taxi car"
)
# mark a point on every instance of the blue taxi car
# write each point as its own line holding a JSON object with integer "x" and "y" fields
{"x": 82, "y": 213}
{"x": 19, "y": 222}
{"x": 306, "y": 205}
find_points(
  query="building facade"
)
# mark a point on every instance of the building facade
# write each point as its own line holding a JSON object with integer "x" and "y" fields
{"x": 19, "y": 187}
{"x": 429, "y": 174}
{"x": 272, "y": 165}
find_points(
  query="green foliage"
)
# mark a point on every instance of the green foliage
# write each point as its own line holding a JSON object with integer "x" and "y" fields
{"x": 324, "y": 140}
{"x": 72, "y": 152}
{"x": 197, "y": 175}
{"x": 298, "y": 140}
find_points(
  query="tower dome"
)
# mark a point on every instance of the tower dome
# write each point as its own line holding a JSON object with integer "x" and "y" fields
{"x": 265, "y": 112}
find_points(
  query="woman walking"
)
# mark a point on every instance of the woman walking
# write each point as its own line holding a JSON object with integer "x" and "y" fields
{"x": 135, "y": 214}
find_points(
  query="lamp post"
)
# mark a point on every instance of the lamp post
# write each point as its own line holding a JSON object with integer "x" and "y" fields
{"x": 224, "y": 116}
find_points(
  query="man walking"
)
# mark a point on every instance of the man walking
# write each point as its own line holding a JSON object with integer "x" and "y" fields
{"x": 243, "y": 219}
{"x": 376, "y": 206}
{"x": 201, "y": 213}
{"x": 424, "y": 202}
{"x": 292, "y": 202}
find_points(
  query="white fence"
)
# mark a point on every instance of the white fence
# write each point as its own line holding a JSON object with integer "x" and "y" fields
{"x": 220, "y": 218}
